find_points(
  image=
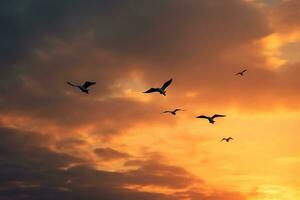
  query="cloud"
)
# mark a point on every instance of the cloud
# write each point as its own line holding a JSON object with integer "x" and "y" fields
{"x": 30, "y": 170}
{"x": 109, "y": 154}
{"x": 126, "y": 47}
{"x": 193, "y": 40}
{"x": 107, "y": 50}
{"x": 159, "y": 174}
{"x": 285, "y": 16}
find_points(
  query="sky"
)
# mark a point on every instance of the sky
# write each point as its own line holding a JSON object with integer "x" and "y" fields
{"x": 115, "y": 143}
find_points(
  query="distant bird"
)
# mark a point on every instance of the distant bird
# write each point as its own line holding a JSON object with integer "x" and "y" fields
{"x": 84, "y": 87}
{"x": 161, "y": 90}
{"x": 241, "y": 73}
{"x": 173, "y": 112}
{"x": 211, "y": 119}
{"x": 226, "y": 139}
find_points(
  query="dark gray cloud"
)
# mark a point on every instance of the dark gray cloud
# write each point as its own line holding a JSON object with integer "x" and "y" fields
{"x": 45, "y": 43}
{"x": 29, "y": 170}
{"x": 132, "y": 27}
{"x": 159, "y": 174}
{"x": 285, "y": 16}
{"x": 110, "y": 154}
{"x": 53, "y": 41}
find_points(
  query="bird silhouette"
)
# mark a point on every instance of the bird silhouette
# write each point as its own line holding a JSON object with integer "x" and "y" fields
{"x": 84, "y": 87}
{"x": 211, "y": 119}
{"x": 173, "y": 112}
{"x": 161, "y": 90}
{"x": 241, "y": 73}
{"x": 226, "y": 139}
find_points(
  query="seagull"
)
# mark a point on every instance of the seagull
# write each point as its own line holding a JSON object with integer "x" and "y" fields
{"x": 161, "y": 90}
{"x": 226, "y": 139}
{"x": 211, "y": 119}
{"x": 84, "y": 87}
{"x": 241, "y": 73}
{"x": 173, "y": 112}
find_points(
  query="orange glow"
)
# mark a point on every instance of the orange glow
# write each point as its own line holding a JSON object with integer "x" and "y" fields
{"x": 119, "y": 135}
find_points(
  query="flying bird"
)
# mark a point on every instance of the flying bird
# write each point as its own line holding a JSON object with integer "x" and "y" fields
{"x": 173, "y": 112}
{"x": 84, "y": 87}
{"x": 161, "y": 90}
{"x": 210, "y": 119}
{"x": 226, "y": 139}
{"x": 241, "y": 73}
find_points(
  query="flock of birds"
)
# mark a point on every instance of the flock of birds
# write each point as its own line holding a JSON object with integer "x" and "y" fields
{"x": 162, "y": 90}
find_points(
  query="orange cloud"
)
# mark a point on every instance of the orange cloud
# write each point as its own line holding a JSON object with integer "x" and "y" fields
{"x": 115, "y": 143}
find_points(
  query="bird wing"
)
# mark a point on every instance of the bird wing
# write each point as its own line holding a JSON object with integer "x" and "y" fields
{"x": 166, "y": 84}
{"x": 230, "y": 138}
{"x": 152, "y": 90}
{"x": 223, "y": 139}
{"x": 178, "y": 109}
{"x": 167, "y": 111}
{"x": 203, "y": 117}
{"x": 71, "y": 84}
{"x": 241, "y": 73}
{"x": 216, "y": 115}
{"x": 88, "y": 84}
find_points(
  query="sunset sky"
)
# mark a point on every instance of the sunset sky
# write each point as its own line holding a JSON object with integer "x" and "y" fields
{"x": 114, "y": 143}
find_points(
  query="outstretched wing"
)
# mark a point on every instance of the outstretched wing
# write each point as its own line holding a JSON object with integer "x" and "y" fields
{"x": 167, "y": 111}
{"x": 241, "y": 73}
{"x": 71, "y": 84}
{"x": 203, "y": 117}
{"x": 88, "y": 84}
{"x": 178, "y": 109}
{"x": 216, "y": 115}
{"x": 152, "y": 90}
{"x": 230, "y": 138}
{"x": 166, "y": 84}
{"x": 223, "y": 139}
